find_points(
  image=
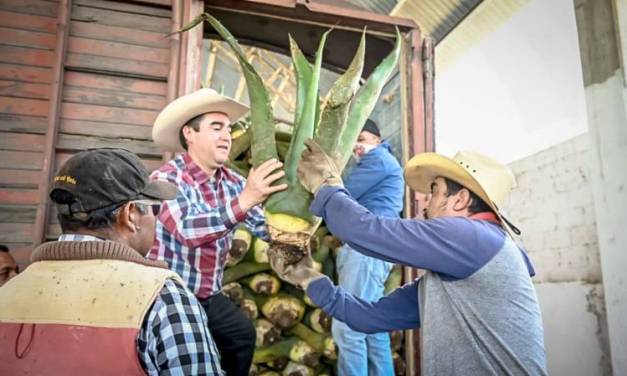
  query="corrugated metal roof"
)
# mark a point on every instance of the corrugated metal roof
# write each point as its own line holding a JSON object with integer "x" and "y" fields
{"x": 377, "y": 6}
{"x": 435, "y": 17}
{"x": 456, "y": 25}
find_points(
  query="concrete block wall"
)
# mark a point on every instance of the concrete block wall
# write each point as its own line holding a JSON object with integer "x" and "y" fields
{"x": 554, "y": 208}
{"x": 553, "y": 205}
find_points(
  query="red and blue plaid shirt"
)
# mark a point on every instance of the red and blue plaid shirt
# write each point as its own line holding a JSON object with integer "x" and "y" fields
{"x": 195, "y": 230}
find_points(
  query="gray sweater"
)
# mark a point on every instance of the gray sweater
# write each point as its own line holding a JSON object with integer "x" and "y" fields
{"x": 486, "y": 324}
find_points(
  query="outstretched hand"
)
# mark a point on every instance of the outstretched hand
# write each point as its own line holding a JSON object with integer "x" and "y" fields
{"x": 299, "y": 274}
{"x": 259, "y": 184}
{"x": 316, "y": 168}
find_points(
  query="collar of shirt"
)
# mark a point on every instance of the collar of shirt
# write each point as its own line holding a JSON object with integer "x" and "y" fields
{"x": 79, "y": 238}
{"x": 486, "y": 216}
{"x": 198, "y": 173}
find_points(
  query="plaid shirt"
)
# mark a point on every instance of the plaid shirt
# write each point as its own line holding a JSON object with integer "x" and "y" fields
{"x": 173, "y": 339}
{"x": 195, "y": 230}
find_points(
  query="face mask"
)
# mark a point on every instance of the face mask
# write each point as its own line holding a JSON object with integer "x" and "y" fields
{"x": 361, "y": 149}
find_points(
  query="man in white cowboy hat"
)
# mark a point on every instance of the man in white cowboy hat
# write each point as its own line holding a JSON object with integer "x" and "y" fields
{"x": 476, "y": 305}
{"x": 195, "y": 230}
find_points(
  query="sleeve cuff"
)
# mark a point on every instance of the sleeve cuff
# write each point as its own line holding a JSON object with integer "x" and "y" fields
{"x": 234, "y": 214}
{"x": 319, "y": 290}
{"x": 322, "y": 198}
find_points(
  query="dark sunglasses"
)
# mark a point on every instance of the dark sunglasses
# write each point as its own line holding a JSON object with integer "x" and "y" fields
{"x": 155, "y": 208}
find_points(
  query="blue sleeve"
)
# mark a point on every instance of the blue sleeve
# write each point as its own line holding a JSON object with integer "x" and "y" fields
{"x": 396, "y": 311}
{"x": 454, "y": 246}
{"x": 364, "y": 176}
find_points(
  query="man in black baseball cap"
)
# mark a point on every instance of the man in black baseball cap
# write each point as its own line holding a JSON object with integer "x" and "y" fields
{"x": 96, "y": 281}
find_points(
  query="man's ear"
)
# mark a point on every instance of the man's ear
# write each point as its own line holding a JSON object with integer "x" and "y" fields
{"x": 127, "y": 218}
{"x": 462, "y": 200}
{"x": 187, "y": 133}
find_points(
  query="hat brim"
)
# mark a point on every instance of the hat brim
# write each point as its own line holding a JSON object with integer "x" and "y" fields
{"x": 159, "y": 190}
{"x": 169, "y": 122}
{"x": 421, "y": 171}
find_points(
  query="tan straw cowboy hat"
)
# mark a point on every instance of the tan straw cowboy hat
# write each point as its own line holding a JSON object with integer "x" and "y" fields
{"x": 165, "y": 131}
{"x": 485, "y": 177}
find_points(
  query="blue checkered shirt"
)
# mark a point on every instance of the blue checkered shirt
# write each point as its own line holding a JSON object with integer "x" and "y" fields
{"x": 173, "y": 339}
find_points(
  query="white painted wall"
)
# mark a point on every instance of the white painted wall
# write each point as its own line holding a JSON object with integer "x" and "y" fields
{"x": 518, "y": 91}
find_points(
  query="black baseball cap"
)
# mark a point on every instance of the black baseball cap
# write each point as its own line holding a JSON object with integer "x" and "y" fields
{"x": 99, "y": 178}
{"x": 371, "y": 127}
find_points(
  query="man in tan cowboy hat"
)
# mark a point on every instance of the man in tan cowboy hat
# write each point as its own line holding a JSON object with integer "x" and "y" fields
{"x": 476, "y": 304}
{"x": 195, "y": 230}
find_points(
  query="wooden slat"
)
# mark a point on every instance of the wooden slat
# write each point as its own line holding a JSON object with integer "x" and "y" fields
{"x": 101, "y": 81}
{"x": 17, "y": 213}
{"x": 118, "y": 34}
{"x": 27, "y": 22}
{"x": 74, "y": 142}
{"x": 23, "y": 123}
{"x": 23, "y": 38}
{"x": 113, "y": 18}
{"x": 117, "y": 50}
{"x": 21, "y": 106}
{"x": 121, "y": 66}
{"x": 18, "y": 196}
{"x": 156, "y": 2}
{"x": 21, "y": 160}
{"x": 125, "y": 7}
{"x": 111, "y": 98}
{"x": 103, "y": 129}
{"x": 26, "y": 56}
{"x": 150, "y": 163}
{"x": 23, "y": 73}
{"x": 24, "y": 90}
{"x": 19, "y": 178}
{"x": 34, "y": 7}
{"x": 16, "y": 232}
{"x": 108, "y": 114}
{"x": 21, "y": 141}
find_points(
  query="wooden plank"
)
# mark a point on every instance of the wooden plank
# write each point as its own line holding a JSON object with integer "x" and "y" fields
{"x": 23, "y": 123}
{"x": 125, "y": 7}
{"x": 33, "y": 7}
{"x": 19, "y": 196}
{"x": 11, "y": 72}
{"x": 106, "y": 82}
{"x": 102, "y": 64}
{"x": 22, "y": 106}
{"x": 24, "y": 90}
{"x": 117, "y": 50}
{"x": 23, "y": 38}
{"x": 104, "y": 129}
{"x": 21, "y": 141}
{"x": 28, "y": 22}
{"x": 73, "y": 142}
{"x": 19, "y": 178}
{"x": 111, "y": 98}
{"x": 17, "y": 213}
{"x": 118, "y": 34}
{"x": 77, "y": 111}
{"x": 21, "y": 160}
{"x": 114, "y": 18}
{"x": 16, "y": 232}
{"x": 26, "y": 56}
{"x": 64, "y": 8}
{"x": 166, "y": 3}
{"x": 151, "y": 163}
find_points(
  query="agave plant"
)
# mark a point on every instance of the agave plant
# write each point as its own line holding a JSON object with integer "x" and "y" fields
{"x": 334, "y": 125}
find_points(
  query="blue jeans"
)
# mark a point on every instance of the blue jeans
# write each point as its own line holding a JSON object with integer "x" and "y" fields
{"x": 359, "y": 353}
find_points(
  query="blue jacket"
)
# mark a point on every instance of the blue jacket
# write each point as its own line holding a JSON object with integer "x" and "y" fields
{"x": 376, "y": 182}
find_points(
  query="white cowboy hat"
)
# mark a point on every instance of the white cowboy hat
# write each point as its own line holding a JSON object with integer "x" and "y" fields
{"x": 165, "y": 131}
{"x": 490, "y": 180}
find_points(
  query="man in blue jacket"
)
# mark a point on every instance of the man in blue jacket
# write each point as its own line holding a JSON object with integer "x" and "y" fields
{"x": 475, "y": 305}
{"x": 376, "y": 183}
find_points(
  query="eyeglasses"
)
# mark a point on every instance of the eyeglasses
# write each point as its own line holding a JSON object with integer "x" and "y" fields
{"x": 155, "y": 207}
